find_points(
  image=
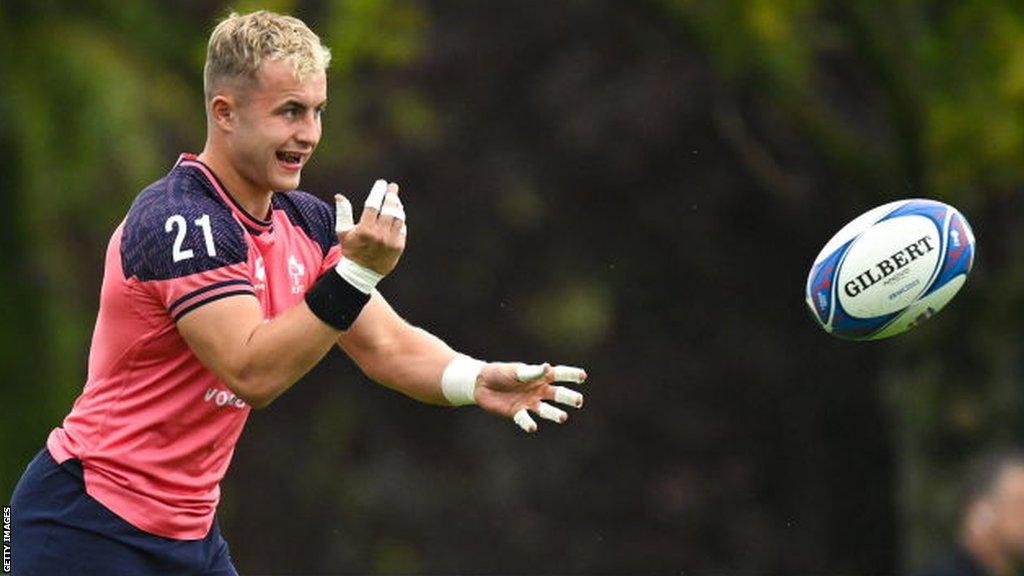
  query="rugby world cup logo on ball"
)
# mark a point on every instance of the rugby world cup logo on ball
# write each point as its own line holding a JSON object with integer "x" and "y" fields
{"x": 890, "y": 269}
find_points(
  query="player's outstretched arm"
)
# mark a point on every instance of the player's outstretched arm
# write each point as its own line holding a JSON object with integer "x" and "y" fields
{"x": 260, "y": 359}
{"x": 396, "y": 354}
{"x": 418, "y": 364}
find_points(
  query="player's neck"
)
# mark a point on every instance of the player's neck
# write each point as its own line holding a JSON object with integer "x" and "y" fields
{"x": 254, "y": 201}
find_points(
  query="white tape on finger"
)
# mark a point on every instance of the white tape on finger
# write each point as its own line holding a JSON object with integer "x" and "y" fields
{"x": 343, "y": 208}
{"x": 393, "y": 207}
{"x": 549, "y": 412}
{"x": 376, "y": 198}
{"x": 527, "y": 372}
{"x": 522, "y": 418}
{"x": 568, "y": 397}
{"x": 569, "y": 374}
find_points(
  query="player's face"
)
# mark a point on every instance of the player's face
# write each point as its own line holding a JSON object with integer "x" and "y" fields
{"x": 1010, "y": 511}
{"x": 278, "y": 126}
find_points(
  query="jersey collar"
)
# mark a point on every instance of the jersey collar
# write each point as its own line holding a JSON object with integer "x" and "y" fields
{"x": 251, "y": 222}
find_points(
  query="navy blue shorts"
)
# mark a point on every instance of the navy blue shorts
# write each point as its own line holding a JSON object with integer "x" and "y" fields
{"x": 57, "y": 529}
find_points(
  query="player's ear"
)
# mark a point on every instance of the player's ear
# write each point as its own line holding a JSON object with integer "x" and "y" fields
{"x": 222, "y": 111}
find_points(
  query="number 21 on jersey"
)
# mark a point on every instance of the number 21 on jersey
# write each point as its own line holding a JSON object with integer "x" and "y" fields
{"x": 177, "y": 222}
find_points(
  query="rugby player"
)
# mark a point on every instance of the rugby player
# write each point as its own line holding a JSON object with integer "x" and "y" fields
{"x": 222, "y": 287}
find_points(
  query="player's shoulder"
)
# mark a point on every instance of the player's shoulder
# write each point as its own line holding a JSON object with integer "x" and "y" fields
{"x": 178, "y": 193}
{"x": 309, "y": 213}
{"x": 178, "y": 226}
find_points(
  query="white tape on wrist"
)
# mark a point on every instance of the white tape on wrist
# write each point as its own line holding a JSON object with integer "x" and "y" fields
{"x": 364, "y": 279}
{"x": 458, "y": 382}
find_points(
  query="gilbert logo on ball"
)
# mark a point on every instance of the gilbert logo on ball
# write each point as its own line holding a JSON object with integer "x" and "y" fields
{"x": 890, "y": 269}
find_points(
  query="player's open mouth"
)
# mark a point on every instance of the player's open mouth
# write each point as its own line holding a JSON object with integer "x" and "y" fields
{"x": 290, "y": 160}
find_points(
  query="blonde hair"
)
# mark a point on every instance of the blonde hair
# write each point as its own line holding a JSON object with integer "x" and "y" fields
{"x": 240, "y": 44}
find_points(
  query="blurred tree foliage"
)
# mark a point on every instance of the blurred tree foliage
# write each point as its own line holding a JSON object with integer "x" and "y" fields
{"x": 636, "y": 187}
{"x": 907, "y": 98}
{"x": 93, "y": 94}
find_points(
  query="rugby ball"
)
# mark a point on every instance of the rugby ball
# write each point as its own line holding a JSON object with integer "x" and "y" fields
{"x": 890, "y": 269}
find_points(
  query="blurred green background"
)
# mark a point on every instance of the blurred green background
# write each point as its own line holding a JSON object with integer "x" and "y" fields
{"x": 635, "y": 187}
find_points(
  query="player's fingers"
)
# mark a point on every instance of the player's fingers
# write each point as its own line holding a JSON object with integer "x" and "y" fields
{"x": 393, "y": 208}
{"x": 392, "y": 205}
{"x": 549, "y": 412}
{"x": 343, "y": 221}
{"x": 524, "y": 421}
{"x": 390, "y": 208}
{"x": 374, "y": 201}
{"x": 399, "y": 229}
{"x": 568, "y": 397}
{"x": 529, "y": 372}
{"x": 569, "y": 374}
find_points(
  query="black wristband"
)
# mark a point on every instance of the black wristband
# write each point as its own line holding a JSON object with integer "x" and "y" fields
{"x": 335, "y": 301}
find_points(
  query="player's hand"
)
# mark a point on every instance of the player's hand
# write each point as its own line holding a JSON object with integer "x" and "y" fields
{"x": 513, "y": 390}
{"x": 378, "y": 240}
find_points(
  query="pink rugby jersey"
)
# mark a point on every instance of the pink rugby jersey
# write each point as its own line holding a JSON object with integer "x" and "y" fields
{"x": 154, "y": 428}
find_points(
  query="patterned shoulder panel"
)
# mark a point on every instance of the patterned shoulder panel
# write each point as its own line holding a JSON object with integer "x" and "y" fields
{"x": 313, "y": 215}
{"x": 177, "y": 227}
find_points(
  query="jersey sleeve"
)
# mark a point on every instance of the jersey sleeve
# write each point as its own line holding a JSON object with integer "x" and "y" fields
{"x": 186, "y": 249}
{"x": 332, "y": 258}
{"x": 316, "y": 219}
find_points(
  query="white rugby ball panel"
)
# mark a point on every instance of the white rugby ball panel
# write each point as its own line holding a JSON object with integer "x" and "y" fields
{"x": 889, "y": 266}
{"x": 856, "y": 227}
